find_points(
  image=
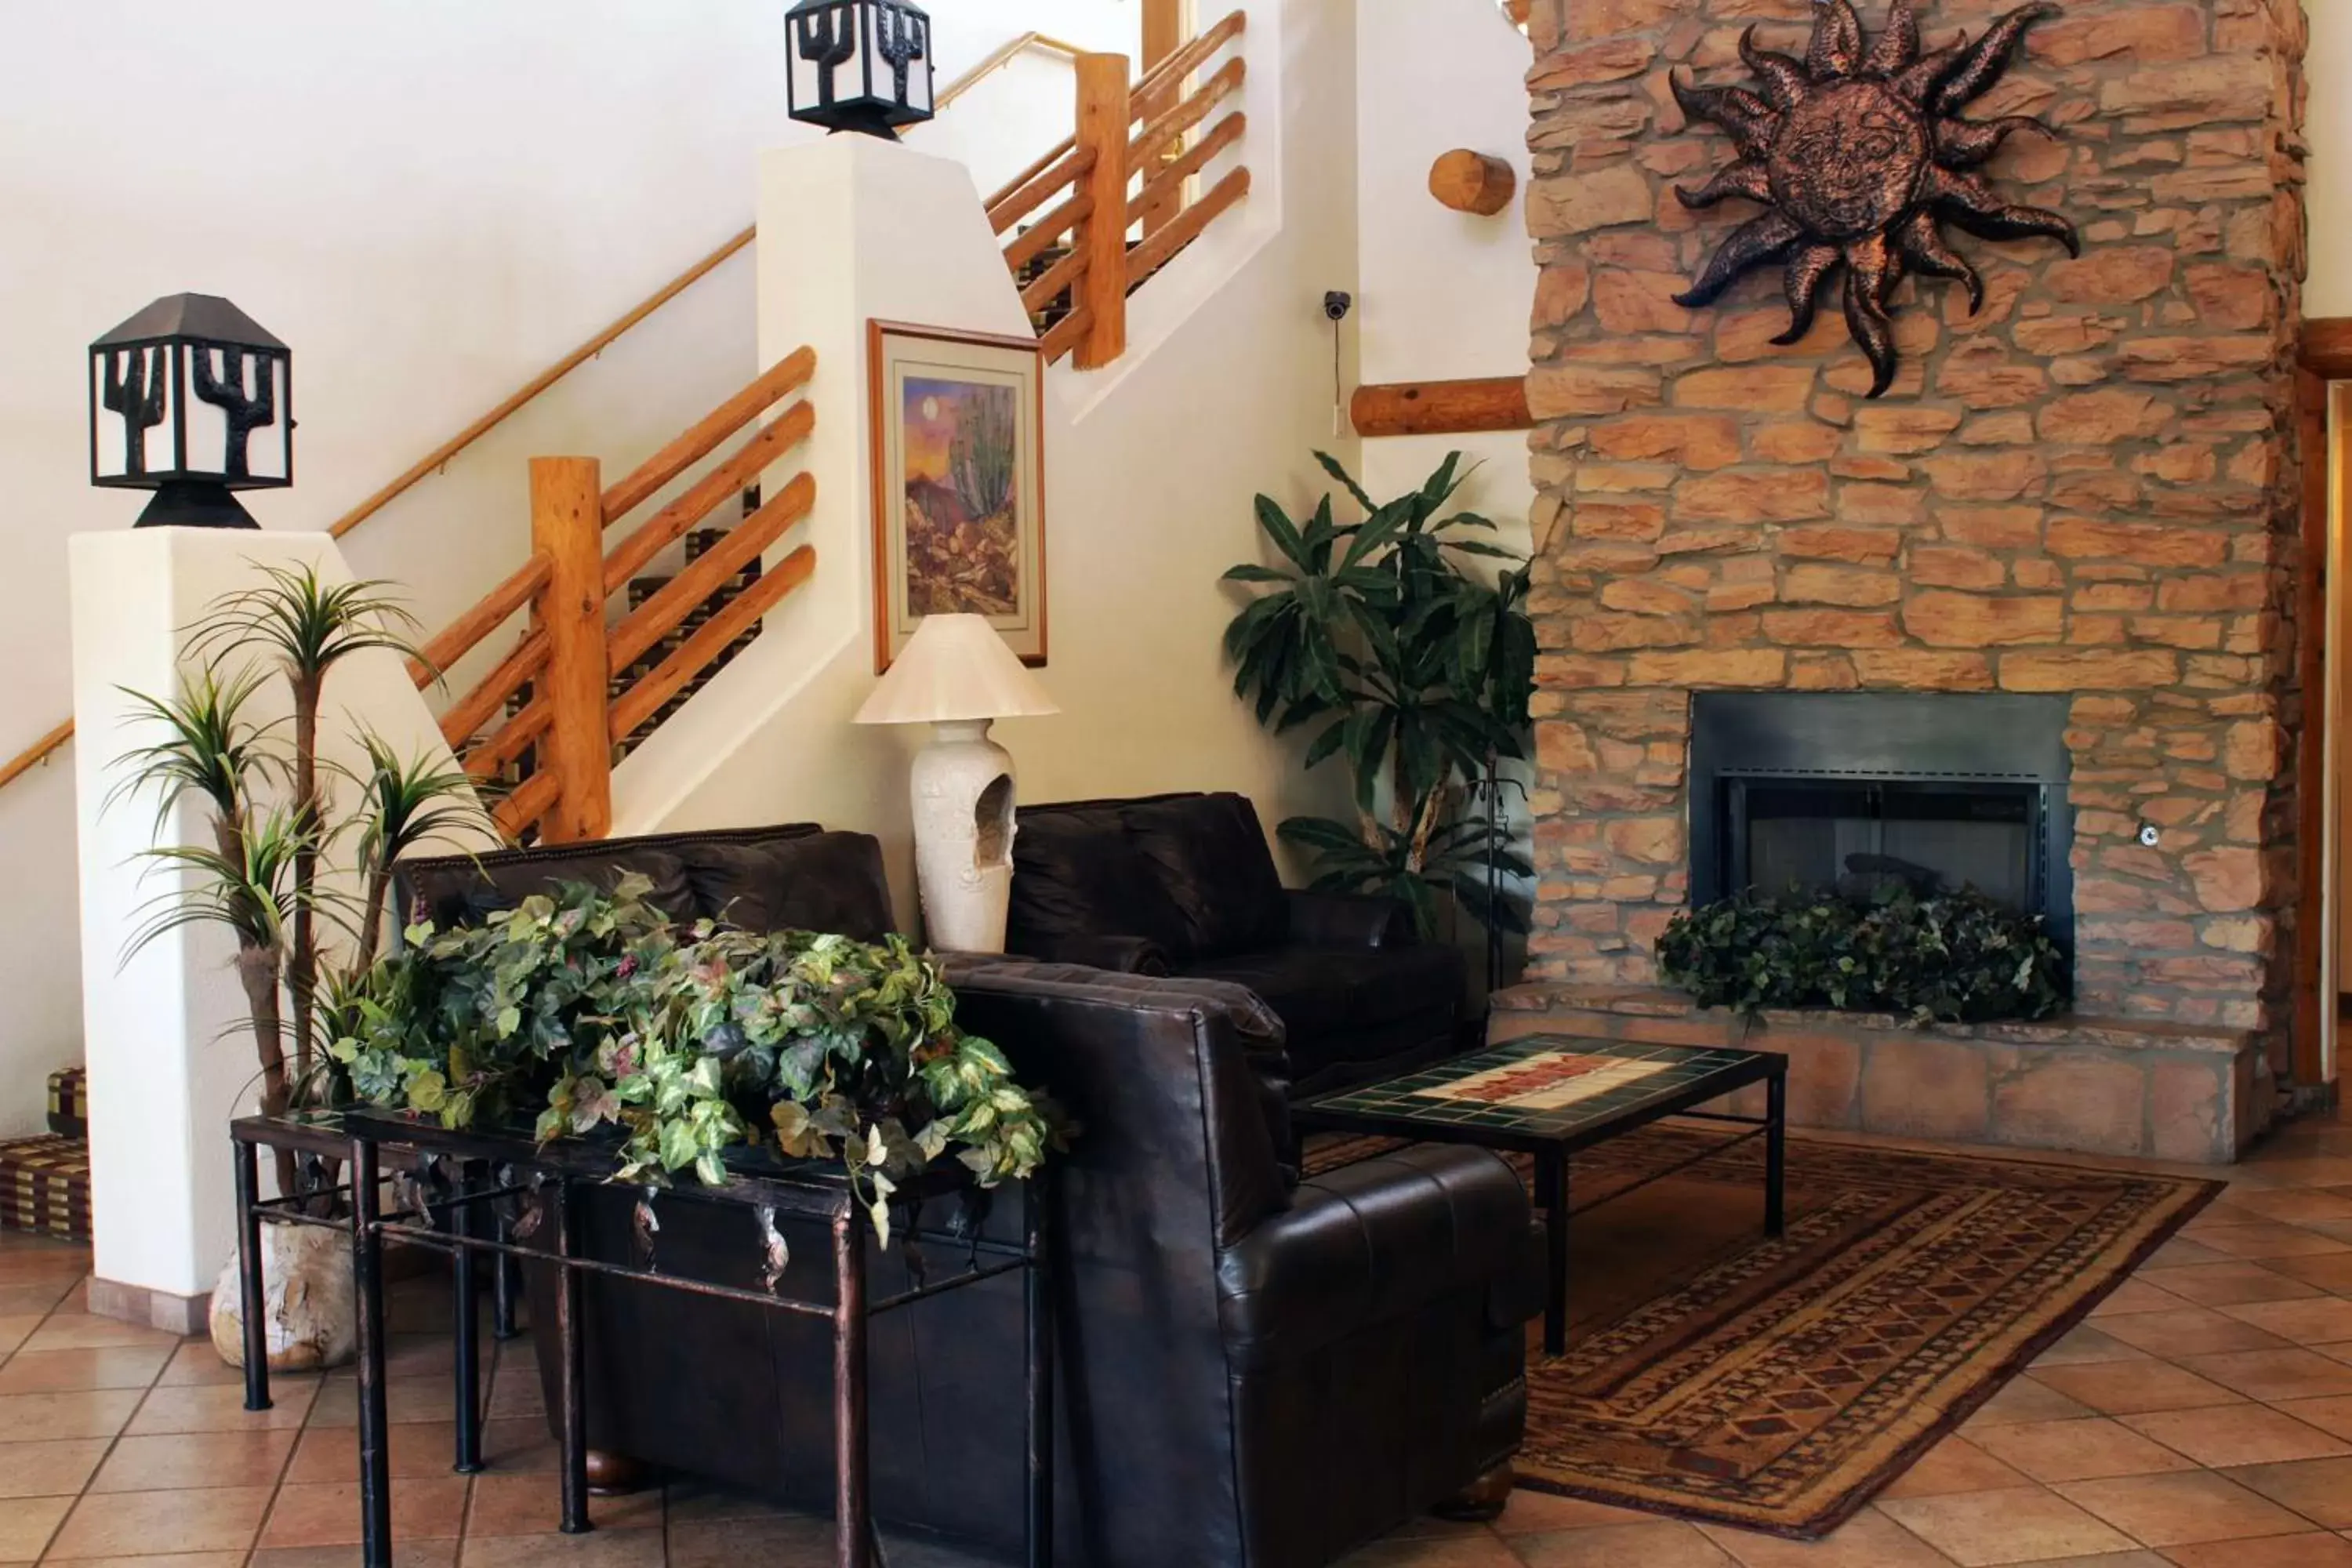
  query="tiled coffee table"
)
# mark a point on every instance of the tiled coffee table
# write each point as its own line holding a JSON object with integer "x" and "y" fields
{"x": 1552, "y": 1094}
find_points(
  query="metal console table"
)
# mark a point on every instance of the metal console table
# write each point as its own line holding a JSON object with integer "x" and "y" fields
{"x": 455, "y": 1176}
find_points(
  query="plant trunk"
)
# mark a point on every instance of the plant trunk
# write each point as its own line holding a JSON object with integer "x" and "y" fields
{"x": 379, "y": 888}
{"x": 1432, "y": 811}
{"x": 303, "y": 971}
{"x": 256, "y": 970}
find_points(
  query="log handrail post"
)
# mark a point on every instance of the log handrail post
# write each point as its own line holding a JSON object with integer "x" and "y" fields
{"x": 567, "y": 526}
{"x": 1101, "y": 240}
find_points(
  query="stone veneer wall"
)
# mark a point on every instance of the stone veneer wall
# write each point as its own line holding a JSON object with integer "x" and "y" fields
{"x": 2089, "y": 488}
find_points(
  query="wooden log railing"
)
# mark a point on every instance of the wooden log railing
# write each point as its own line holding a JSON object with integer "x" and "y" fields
{"x": 1127, "y": 166}
{"x": 565, "y": 687}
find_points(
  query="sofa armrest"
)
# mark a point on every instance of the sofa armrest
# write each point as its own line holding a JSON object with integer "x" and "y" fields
{"x": 1347, "y": 920}
{"x": 1368, "y": 1243}
{"x": 1119, "y": 954}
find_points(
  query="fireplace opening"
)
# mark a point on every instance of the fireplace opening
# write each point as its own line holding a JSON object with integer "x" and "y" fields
{"x": 1864, "y": 794}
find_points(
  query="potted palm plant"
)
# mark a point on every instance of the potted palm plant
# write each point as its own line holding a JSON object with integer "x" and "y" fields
{"x": 288, "y": 866}
{"x": 1419, "y": 670}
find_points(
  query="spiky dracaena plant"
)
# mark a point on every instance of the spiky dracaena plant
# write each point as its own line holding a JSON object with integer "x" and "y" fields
{"x": 270, "y": 825}
{"x": 306, "y": 627}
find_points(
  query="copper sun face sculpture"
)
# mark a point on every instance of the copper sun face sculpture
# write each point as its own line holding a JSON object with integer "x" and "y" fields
{"x": 1861, "y": 153}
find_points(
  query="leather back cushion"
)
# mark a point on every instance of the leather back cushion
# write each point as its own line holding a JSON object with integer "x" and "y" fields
{"x": 831, "y": 882}
{"x": 1077, "y": 871}
{"x": 1160, "y": 1086}
{"x": 465, "y": 889}
{"x": 1211, "y": 858}
{"x": 455, "y": 891}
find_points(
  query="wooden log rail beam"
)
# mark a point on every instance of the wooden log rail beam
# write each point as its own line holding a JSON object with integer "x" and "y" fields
{"x": 670, "y": 676}
{"x": 1161, "y": 193}
{"x": 1100, "y": 242}
{"x": 1160, "y": 88}
{"x": 1441, "y": 407}
{"x": 701, "y": 498}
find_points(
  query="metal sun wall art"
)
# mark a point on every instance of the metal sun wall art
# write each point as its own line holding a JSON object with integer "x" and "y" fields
{"x": 1860, "y": 152}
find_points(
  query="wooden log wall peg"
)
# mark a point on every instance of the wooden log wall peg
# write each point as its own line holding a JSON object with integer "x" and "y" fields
{"x": 1440, "y": 407}
{"x": 1472, "y": 181}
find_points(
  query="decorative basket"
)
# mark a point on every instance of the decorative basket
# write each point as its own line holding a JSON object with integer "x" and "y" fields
{"x": 70, "y": 1102}
{"x": 45, "y": 1187}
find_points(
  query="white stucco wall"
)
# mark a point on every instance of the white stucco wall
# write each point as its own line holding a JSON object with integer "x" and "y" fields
{"x": 172, "y": 1056}
{"x": 1150, "y": 470}
{"x": 1446, "y": 295}
{"x": 430, "y": 200}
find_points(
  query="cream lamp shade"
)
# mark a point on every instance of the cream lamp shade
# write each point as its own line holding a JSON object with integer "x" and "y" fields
{"x": 957, "y": 674}
{"x": 956, "y": 667}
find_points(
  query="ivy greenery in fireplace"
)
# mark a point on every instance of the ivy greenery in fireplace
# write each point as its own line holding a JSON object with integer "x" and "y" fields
{"x": 1957, "y": 957}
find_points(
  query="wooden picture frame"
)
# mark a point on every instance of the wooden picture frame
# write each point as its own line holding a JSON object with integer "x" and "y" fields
{"x": 937, "y": 403}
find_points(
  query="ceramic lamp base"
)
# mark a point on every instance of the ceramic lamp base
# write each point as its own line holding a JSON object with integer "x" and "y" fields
{"x": 963, "y": 789}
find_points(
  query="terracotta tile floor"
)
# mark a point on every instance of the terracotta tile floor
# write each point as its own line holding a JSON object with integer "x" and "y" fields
{"x": 2203, "y": 1416}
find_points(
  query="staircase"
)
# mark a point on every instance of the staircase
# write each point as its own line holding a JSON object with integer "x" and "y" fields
{"x": 580, "y": 688}
{"x": 613, "y": 643}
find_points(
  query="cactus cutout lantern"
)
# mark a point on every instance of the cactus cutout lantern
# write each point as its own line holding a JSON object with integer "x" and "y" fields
{"x": 207, "y": 377}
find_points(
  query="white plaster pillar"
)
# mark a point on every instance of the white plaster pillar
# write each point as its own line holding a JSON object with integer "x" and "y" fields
{"x": 170, "y": 1051}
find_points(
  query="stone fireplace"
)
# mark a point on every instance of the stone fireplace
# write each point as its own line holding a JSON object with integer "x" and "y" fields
{"x": 2074, "y": 509}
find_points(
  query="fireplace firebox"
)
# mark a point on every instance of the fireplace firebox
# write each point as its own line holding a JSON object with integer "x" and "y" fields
{"x": 1862, "y": 792}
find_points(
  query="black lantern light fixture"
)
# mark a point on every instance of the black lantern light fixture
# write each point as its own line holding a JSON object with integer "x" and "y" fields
{"x": 860, "y": 65}
{"x": 192, "y": 399}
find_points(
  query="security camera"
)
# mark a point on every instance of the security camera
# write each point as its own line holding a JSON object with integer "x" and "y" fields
{"x": 1337, "y": 304}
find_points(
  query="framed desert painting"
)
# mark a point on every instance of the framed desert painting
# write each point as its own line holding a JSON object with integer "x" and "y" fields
{"x": 959, "y": 484}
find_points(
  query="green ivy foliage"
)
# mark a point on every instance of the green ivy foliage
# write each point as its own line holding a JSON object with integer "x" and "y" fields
{"x": 584, "y": 1011}
{"x": 1957, "y": 957}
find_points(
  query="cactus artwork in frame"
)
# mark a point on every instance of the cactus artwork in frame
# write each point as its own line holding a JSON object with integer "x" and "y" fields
{"x": 959, "y": 484}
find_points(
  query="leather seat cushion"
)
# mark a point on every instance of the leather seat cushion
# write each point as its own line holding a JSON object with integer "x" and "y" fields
{"x": 830, "y": 882}
{"x": 1362, "y": 1245}
{"x": 1212, "y": 859}
{"x": 1323, "y": 990}
{"x": 1077, "y": 871}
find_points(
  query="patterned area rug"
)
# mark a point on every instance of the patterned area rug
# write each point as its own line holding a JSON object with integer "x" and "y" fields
{"x": 1777, "y": 1386}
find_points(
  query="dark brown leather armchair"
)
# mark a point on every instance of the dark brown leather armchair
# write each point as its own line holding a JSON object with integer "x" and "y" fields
{"x": 1184, "y": 884}
{"x": 1252, "y": 1372}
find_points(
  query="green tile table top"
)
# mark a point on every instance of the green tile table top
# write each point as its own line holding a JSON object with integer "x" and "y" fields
{"x": 1542, "y": 1086}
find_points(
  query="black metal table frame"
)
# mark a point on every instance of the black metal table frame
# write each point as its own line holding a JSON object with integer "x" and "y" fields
{"x": 486, "y": 1164}
{"x": 1552, "y": 1155}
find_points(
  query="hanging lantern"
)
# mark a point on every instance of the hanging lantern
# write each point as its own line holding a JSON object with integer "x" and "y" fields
{"x": 860, "y": 65}
{"x": 192, "y": 399}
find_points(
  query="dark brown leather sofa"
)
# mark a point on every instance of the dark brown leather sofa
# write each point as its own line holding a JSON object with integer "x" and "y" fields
{"x": 1184, "y": 884}
{"x": 1254, "y": 1371}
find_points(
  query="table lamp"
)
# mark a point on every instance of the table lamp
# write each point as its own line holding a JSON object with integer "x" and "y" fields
{"x": 957, "y": 675}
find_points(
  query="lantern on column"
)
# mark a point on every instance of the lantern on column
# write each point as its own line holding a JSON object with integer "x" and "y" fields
{"x": 192, "y": 399}
{"x": 860, "y": 65}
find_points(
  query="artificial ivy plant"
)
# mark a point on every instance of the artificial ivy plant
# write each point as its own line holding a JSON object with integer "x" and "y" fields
{"x": 582, "y": 1012}
{"x": 1419, "y": 671}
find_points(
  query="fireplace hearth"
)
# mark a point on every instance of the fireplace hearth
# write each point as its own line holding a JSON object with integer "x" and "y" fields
{"x": 1858, "y": 793}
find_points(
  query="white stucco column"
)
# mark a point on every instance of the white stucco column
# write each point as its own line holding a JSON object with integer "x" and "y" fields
{"x": 170, "y": 1051}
